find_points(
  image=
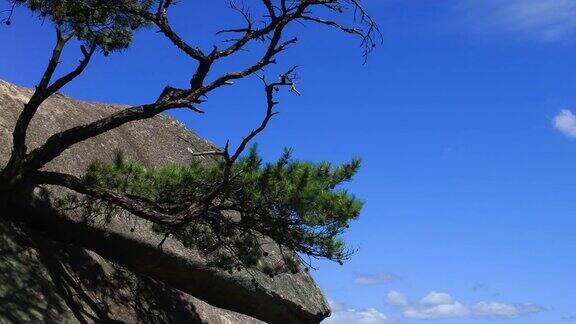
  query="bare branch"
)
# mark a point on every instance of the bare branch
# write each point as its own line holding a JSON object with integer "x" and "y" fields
{"x": 170, "y": 98}
{"x": 182, "y": 98}
{"x": 61, "y": 82}
{"x": 331, "y": 23}
{"x": 269, "y": 89}
{"x": 276, "y": 24}
{"x": 41, "y": 92}
{"x": 59, "y": 142}
{"x": 270, "y": 8}
{"x": 209, "y": 153}
{"x": 160, "y": 19}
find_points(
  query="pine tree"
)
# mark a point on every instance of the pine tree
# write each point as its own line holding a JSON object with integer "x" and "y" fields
{"x": 298, "y": 204}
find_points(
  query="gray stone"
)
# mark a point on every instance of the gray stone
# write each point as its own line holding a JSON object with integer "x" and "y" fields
{"x": 179, "y": 270}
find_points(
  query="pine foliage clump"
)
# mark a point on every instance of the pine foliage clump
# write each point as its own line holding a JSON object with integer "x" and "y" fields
{"x": 108, "y": 25}
{"x": 296, "y": 203}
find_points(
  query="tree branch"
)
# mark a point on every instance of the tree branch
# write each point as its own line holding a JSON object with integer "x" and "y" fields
{"x": 132, "y": 204}
{"x": 41, "y": 92}
{"x": 59, "y": 142}
{"x": 160, "y": 19}
{"x": 170, "y": 98}
{"x": 61, "y": 82}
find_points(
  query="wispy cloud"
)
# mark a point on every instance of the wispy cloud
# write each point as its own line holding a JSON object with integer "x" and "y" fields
{"x": 395, "y": 298}
{"x": 496, "y": 309}
{"x": 565, "y": 122}
{"x": 440, "y": 305}
{"x": 541, "y": 20}
{"x": 436, "y": 298}
{"x": 429, "y": 312}
{"x": 374, "y": 279}
{"x": 342, "y": 314}
{"x": 568, "y": 319}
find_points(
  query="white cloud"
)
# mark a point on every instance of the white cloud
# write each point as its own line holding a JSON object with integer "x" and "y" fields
{"x": 438, "y": 305}
{"x": 374, "y": 279}
{"x": 342, "y": 314}
{"x": 395, "y": 298}
{"x": 530, "y": 308}
{"x": 353, "y": 316}
{"x": 455, "y": 309}
{"x": 436, "y": 298}
{"x": 542, "y": 20}
{"x": 495, "y": 309}
{"x": 565, "y": 122}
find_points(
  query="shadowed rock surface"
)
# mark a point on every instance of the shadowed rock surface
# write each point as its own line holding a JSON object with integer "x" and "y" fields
{"x": 122, "y": 271}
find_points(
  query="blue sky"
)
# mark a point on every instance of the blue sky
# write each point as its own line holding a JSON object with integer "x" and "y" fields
{"x": 462, "y": 117}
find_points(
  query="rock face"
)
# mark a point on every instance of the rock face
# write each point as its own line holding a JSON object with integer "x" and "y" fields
{"x": 46, "y": 282}
{"x": 121, "y": 274}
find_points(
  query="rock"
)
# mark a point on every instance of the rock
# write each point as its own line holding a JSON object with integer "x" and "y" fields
{"x": 38, "y": 278}
{"x": 173, "y": 271}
